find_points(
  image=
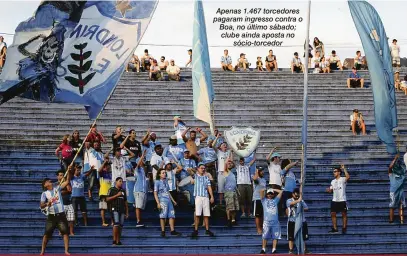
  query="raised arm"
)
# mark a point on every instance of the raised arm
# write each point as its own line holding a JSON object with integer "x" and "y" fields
{"x": 184, "y": 133}
{"x": 269, "y": 155}
{"x": 203, "y": 134}
{"x": 146, "y": 138}
{"x": 253, "y": 161}
{"x": 347, "y": 176}
{"x": 124, "y": 141}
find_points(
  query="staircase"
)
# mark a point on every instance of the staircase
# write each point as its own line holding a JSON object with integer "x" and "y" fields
{"x": 271, "y": 102}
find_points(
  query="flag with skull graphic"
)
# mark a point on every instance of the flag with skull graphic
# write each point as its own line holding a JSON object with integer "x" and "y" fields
{"x": 74, "y": 51}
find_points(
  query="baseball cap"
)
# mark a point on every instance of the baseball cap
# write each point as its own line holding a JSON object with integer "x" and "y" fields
{"x": 177, "y": 116}
{"x": 275, "y": 155}
{"x": 260, "y": 168}
{"x": 167, "y": 162}
{"x": 270, "y": 191}
{"x": 173, "y": 137}
{"x": 186, "y": 150}
{"x": 201, "y": 163}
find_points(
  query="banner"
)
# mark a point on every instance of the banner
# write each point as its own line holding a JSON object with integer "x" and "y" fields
{"x": 201, "y": 70}
{"x": 74, "y": 51}
{"x": 375, "y": 44}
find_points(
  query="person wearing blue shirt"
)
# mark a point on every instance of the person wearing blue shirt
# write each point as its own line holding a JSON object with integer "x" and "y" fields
{"x": 174, "y": 151}
{"x": 140, "y": 189}
{"x": 259, "y": 183}
{"x": 179, "y": 127}
{"x": 78, "y": 190}
{"x": 397, "y": 176}
{"x": 271, "y": 225}
{"x": 186, "y": 174}
{"x": 293, "y": 214}
{"x": 288, "y": 177}
{"x": 165, "y": 202}
{"x": 231, "y": 200}
{"x": 226, "y": 61}
{"x": 51, "y": 199}
{"x": 149, "y": 142}
{"x": 208, "y": 156}
{"x": 354, "y": 79}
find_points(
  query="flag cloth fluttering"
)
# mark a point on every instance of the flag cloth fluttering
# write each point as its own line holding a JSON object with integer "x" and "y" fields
{"x": 201, "y": 71}
{"x": 74, "y": 51}
{"x": 375, "y": 44}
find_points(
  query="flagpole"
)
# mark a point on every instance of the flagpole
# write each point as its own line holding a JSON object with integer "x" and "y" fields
{"x": 212, "y": 125}
{"x": 305, "y": 103}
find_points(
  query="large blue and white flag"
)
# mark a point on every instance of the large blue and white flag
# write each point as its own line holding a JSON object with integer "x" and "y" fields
{"x": 375, "y": 45}
{"x": 201, "y": 70}
{"x": 298, "y": 237}
{"x": 74, "y": 51}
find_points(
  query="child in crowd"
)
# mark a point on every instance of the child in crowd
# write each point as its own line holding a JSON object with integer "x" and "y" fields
{"x": 259, "y": 64}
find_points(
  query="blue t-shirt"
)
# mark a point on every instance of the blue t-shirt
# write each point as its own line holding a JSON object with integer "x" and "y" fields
{"x": 162, "y": 188}
{"x": 201, "y": 185}
{"x": 141, "y": 183}
{"x": 78, "y": 186}
{"x": 351, "y": 75}
{"x": 230, "y": 182}
{"x": 270, "y": 210}
{"x": 208, "y": 155}
{"x": 289, "y": 180}
{"x": 292, "y": 210}
{"x": 259, "y": 184}
{"x": 174, "y": 151}
{"x": 188, "y": 163}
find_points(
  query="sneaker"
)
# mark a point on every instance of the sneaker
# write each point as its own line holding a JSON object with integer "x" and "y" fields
{"x": 344, "y": 231}
{"x": 262, "y": 251}
{"x": 291, "y": 252}
{"x": 162, "y": 234}
{"x": 243, "y": 215}
{"x": 119, "y": 243}
{"x": 274, "y": 251}
{"x": 209, "y": 233}
{"x": 333, "y": 231}
{"x": 175, "y": 233}
{"x": 195, "y": 233}
{"x": 139, "y": 224}
{"x": 114, "y": 243}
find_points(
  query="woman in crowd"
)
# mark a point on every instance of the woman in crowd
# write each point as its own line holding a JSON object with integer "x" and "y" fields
{"x": 318, "y": 47}
{"x": 165, "y": 202}
{"x": 76, "y": 143}
{"x": 66, "y": 152}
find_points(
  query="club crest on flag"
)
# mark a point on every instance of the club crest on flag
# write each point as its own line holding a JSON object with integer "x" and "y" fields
{"x": 243, "y": 141}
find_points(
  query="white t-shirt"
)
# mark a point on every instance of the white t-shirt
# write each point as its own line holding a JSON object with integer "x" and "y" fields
{"x": 296, "y": 61}
{"x": 243, "y": 175}
{"x": 119, "y": 168}
{"x": 156, "y": 160}
{"x": 352, "y": 117}
{"x": 395, "y": 50}
{"x": 275, "y": 174}
{"x": 339, "y": 189}
{"x": 222, "y": 156}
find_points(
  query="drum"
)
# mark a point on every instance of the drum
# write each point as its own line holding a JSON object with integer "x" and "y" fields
{"x": 131, "y": 182}
{"x": 185, "y": 181}
{"x": 105, "y": 184}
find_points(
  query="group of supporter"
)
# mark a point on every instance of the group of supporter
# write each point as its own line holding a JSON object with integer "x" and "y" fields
{"x": 155, "y": 68}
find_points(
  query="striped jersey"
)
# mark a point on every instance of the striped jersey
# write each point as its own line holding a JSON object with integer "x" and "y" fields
{"x": 53, "y": 195}
{"x": 141, "y": 182}
{"x": 201, "y": 185}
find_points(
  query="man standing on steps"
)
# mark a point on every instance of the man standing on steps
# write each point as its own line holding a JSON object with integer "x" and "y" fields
{"x": 244, "y": 185}
{"x": 338, "y": 203}
{"x": 271, "y": 225}
{"x": 259, "y": 185}
{"x": 192, "y": 143}
{"x": 66, "y": 200}
{"x": 273, "y": 160}
{"x": 397, "y": 176}
{"x": 118, "y": 205}
{"x": 51, "y": 199}
{"x": 202, "y": 191}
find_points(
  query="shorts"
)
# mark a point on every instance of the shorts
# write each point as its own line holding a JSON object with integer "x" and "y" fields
{"x": 56, "y": 221}
{"x": 357, "y": 127}
{"x": 118, "y": 219}
{"x": 140, "y": 200}
{"x": 358, "y": 66}
{"x": 395, "y": 205}
{"x": 202, "y": 205}
{"x": 221, "y": 182}
{"x": 291, "y": 230}
{"x": 355, "y": 83}
{"x": 173, "y": 77}
{"x": 339, "y": 206}
{"x": 232, "y": 203}
{"x": 167, "y": 209}
{"x": 396, "y": 61}
{"x": 297, "y": 69}
{"x": 333, "y": 66}
{"x": 309, "y": 55}
{"x": 245, "y": 193}
{"x": 102, "y": 203}
{"x": 258, "y": 208}
{"x": 79, "y": 201}
{"x": 271, "y": 231}
{"x": 69, "y": 212}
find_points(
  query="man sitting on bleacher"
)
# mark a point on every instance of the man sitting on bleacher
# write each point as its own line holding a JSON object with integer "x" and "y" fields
{"x": 155, "y": 73}
{"x": 173, "y": 71}
{"x": 335, "y": 61}
{"x": 226, "y": 61}
{"x": 354, "y": 79}
{"x": 296, "y": 64}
